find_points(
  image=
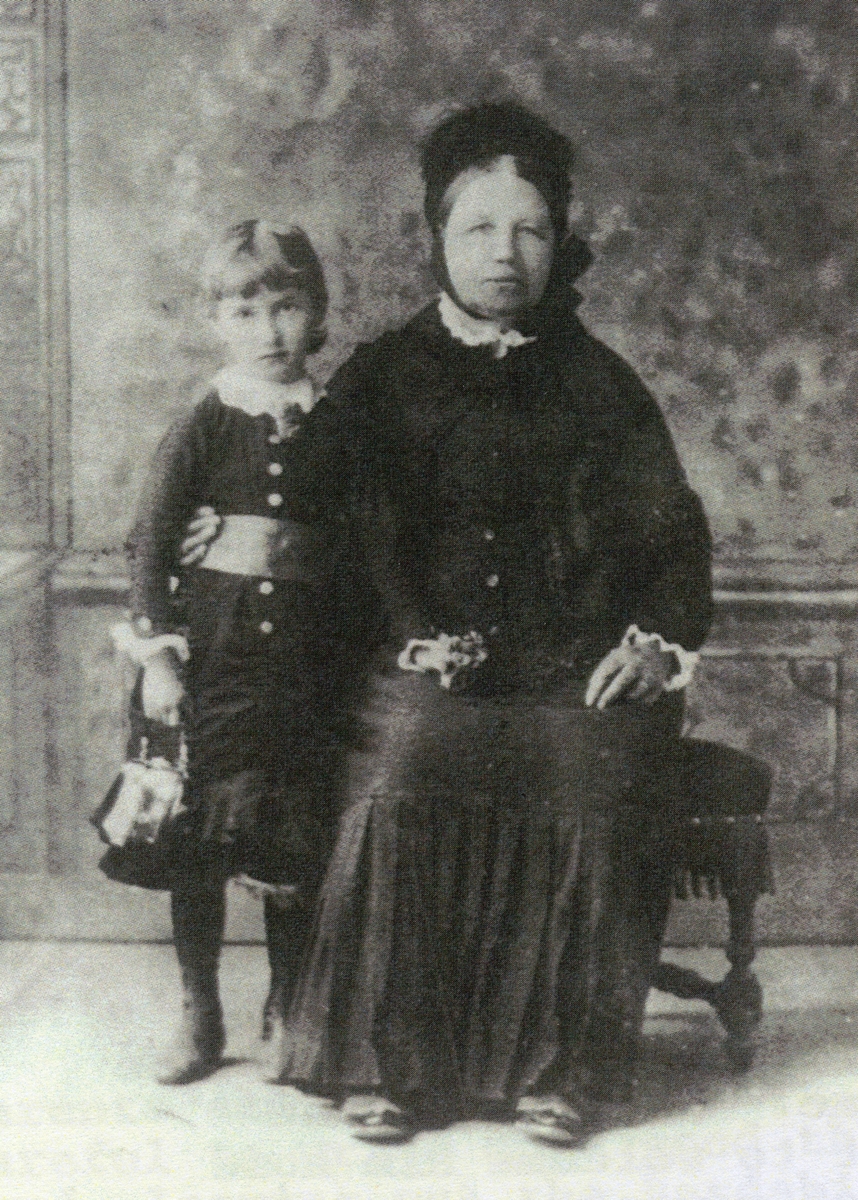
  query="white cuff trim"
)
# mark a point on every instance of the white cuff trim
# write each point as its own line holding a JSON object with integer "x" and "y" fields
{"x": 687, "y": 659}
{"x": 140, "y": 649}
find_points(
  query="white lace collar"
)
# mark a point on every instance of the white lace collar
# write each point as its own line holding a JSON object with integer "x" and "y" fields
{"x": 476, "y": 331}
{"x": 255, "y": 396}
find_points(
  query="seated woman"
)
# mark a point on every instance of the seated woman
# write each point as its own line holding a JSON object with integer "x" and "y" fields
{"x": 496, "y": 900}
{"x": 495, "y": 903}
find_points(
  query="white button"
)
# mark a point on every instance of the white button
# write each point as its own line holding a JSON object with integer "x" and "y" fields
{"x": 492, "y": 581}
{"x": 274, "y": 439}
{"x": 266, "y": 587}
{"x": 275, "y": 469}
{"x": 275, "y": 499}
{"x": 265, "y": 627}
{"x": 489, "y": 535}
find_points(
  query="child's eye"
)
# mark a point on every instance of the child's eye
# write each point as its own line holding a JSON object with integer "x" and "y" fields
{"x": 244, "y": 312}
{"x": 481, "y": 227}
{"x": 536, "y": 230}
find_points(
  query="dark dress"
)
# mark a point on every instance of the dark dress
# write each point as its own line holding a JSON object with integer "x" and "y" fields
{"x": 263, "y": 684}
{"x": 498, "y": 891}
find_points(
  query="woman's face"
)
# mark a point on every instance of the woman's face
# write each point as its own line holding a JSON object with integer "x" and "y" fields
{"x": 498, "y": 241}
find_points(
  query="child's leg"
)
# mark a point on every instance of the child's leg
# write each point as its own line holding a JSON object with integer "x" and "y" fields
{"x": 286, "y": 934}
{"x": 198, "y": 909}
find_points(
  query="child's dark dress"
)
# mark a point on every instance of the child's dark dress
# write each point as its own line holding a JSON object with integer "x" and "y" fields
{"x": 263, "y": 681}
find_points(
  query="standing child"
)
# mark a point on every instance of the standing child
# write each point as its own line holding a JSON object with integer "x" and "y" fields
{"x": 255, "y": 619}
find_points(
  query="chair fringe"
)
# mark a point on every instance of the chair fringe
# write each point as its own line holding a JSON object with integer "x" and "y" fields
{"x": 722, "y": 856}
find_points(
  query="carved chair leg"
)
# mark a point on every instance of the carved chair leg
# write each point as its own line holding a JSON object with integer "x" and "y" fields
{"x": 738, "y": 998}
{"x": 684, "y": 983}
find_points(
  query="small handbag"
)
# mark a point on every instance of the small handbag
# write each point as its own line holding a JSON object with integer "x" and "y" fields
{"x": 145, "y": 794}
{"x": 139, "y": 812}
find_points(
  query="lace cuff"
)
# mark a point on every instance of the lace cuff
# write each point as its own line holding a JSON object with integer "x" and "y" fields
{"x": 140, "y": 649}
{"x": 687, "y": 659}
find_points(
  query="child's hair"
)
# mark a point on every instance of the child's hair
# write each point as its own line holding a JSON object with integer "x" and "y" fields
{"x": 254, "y": 254}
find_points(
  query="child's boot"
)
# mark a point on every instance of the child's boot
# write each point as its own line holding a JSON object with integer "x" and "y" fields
{"x": 198, "y": 919}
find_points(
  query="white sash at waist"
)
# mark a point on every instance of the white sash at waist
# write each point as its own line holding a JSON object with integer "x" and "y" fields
{"x": 266, "y": 547}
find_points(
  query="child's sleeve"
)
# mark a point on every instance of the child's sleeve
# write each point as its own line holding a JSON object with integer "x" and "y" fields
{"x": 167, "y": 502}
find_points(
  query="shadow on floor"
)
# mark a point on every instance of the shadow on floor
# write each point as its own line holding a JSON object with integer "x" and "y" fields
{"x": 683, "y": 1063}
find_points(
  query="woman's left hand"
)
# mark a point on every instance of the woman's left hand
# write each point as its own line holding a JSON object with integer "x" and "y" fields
{"x": 630, "y": 671}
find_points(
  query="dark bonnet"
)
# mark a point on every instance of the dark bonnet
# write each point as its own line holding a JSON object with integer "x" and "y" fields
{"x": 544, "y": 157}
{"x": 475, "y": 136}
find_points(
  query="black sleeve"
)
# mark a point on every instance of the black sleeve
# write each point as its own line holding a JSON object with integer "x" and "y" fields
{"x": 664, "y": 545}
{"x": 381, "y": 498}
{"x": 170, "y": 495}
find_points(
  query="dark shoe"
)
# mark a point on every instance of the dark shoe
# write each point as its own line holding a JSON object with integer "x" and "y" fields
{"x": 550, "y": 1119}
{"x": 375, "y": 1119}
{"x": 190, "y": 1070}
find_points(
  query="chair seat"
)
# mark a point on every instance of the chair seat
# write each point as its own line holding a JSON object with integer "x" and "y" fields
{"x": 719, "y": 779}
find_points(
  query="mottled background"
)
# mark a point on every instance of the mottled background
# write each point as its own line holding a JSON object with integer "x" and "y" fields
{"x": 716, "y": 182}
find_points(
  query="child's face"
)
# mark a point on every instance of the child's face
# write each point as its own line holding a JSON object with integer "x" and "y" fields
{"x": 266, "y": 335}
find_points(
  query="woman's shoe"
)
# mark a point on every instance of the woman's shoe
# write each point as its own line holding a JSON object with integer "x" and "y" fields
{"x": 550, "y": 1119}
{"x": 375, "y": 1119}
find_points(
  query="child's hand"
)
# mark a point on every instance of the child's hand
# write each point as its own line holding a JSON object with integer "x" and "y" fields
{"x": 162, "y": 689}
{"x": 202, "y": 530}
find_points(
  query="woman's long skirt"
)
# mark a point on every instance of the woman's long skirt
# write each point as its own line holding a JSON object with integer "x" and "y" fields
{"x": 493, "y": 910}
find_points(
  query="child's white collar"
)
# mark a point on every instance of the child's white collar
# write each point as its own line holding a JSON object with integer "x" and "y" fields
{"x": 477, "y": 331}
{"x": 256, "y": 396}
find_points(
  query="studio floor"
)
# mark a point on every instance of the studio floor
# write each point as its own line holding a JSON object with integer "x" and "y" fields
{"x": 84, "y": 1024}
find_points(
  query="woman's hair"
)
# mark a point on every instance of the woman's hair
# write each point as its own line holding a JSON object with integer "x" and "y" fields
{"x": 254, "y": 254}
{"x": 476, "y": 137}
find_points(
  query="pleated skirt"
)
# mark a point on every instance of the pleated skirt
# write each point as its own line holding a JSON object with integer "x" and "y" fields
{"x": 494, "y": 906}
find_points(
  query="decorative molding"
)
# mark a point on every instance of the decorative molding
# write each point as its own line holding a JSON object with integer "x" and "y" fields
{"x": 767, "y": 576}
{"x": 8, "y": 740}
{"x": 18, "y": 103}
{"x": 18, "y": 212}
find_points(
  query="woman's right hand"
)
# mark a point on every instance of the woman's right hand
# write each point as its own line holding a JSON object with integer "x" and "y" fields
{"x": 162, "y": 689}
{"x": 202, "y": 530}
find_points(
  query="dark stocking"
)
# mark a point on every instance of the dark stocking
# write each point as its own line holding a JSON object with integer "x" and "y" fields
{"x": 286, "y": 935}
{"x": 198, "y": 909}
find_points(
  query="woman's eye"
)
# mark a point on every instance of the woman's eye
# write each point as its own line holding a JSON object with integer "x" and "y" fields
{"x": 481, "y": 227}
{"x": 245, "y": 312}
{"x": 537, "y": 231}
